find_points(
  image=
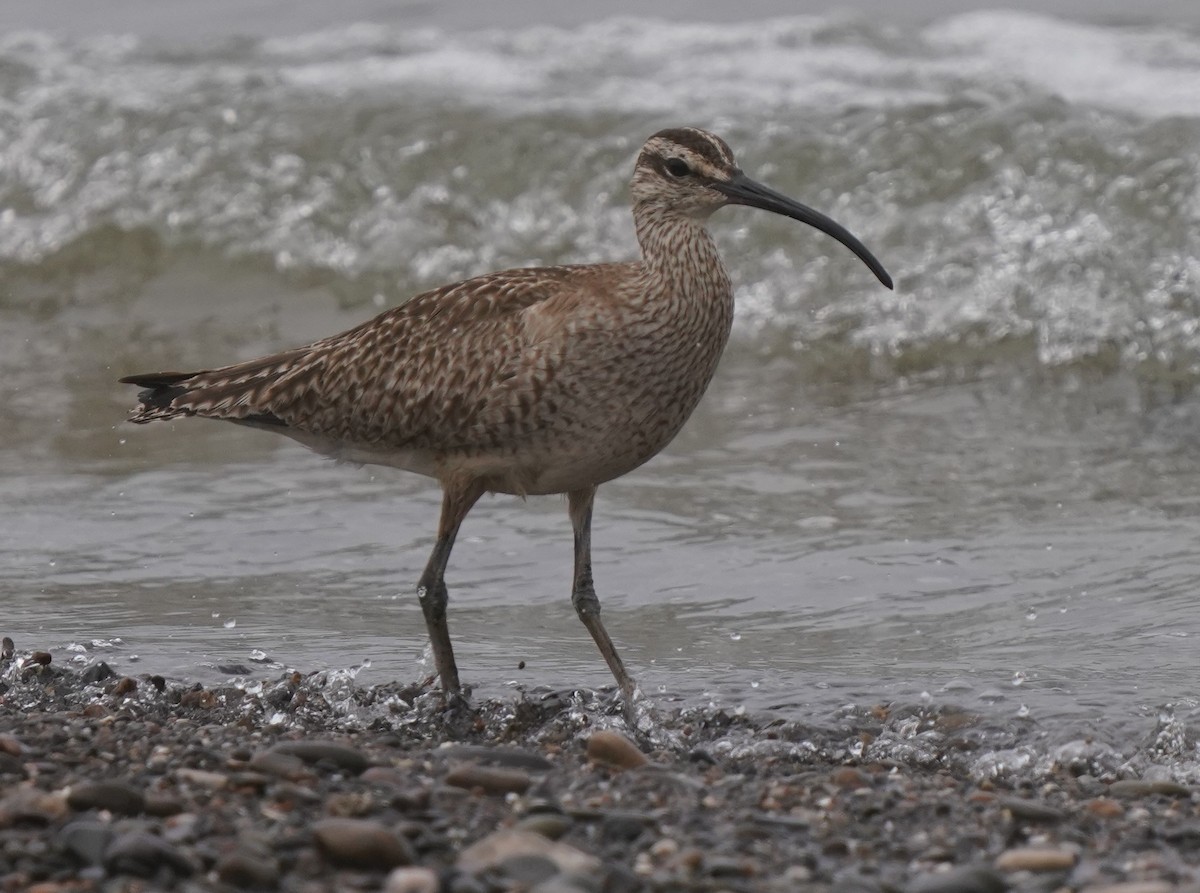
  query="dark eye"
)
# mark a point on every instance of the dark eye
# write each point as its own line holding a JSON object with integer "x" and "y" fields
{"x": 677, "y": 167}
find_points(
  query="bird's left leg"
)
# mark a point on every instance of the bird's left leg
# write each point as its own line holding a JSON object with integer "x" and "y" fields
{"x": 583, "y": 592}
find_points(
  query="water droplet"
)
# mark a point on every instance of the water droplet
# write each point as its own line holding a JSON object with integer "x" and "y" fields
{"x": 1031, "y": 614}
{"x": 230, "y": 623}
{"x": 754, "y": 683}
{"x": 1022, "y": 711}
{"x": 216, "y": 614}
{"x": 736, "y": 637}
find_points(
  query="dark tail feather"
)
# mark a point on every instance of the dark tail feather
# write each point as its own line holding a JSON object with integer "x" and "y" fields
{"x": 161, "y": 387}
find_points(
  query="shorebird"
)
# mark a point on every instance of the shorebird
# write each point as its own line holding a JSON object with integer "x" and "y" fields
{"x": 528, "y": 381}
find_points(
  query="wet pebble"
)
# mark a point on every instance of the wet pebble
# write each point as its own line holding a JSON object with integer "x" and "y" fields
{"x": 1035, "y": 859}
{"x": 247, "y": 868}
{"x": 125, "y": 686}
{"x": 507, "y": 843}
{"x": 160, "y": 803}
{"x": 87, "y": 839}
{"x": 571, "y": 883}
{"x": 1105, "y": 808}
{"x": 344, "y": 757}
{"x": 622, "y": 827}
{"x": 142, "y": 854}
{"x": 200, "y": 699}
{"x": 1031, "y": 810}
{"x": 614, "y": 749}
{"x": 284, "y": 765}
{"x": 114, "y": 796}
{"x": 973, "y": 879}
{"x": 201, "y": 778}
{"x": 1136, "y": 787}
{"x": 527, "y": 869}
{"x": 31, "y": 806}
{"x": 488, "y": 779}
{"x": 509, "y": 757}
{"x": 1132, "y": 887}
{"x": 548, "y": 824}
{"x": 10, "y": 745}
{"x": 411, "y": 880}
{"x": 848, "y": 778}
{"x": 363, "y": 844}
{"x": 97, "y": 672}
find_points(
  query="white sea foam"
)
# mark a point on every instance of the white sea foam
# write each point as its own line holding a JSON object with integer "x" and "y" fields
{"x": 797, "y": 63}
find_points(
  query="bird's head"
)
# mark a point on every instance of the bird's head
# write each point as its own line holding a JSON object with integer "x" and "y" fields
{"x": 692, "y": 172}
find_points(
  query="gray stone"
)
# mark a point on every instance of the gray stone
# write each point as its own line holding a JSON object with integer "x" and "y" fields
{"x": 975, "y": 879}
{"x": 340, "y": 755}
{"x": 247, "y": 868}
{"x": 144, "y": 855}
{"x": 488, "y": 779}
{"x": 87, "y": 839}
{"x": 113, "y": 796}
{"x": 509, "y": 757}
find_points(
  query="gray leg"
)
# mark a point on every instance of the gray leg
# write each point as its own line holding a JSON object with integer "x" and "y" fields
{"x": 456, "y": 502}
{"x": 583, "y": 592}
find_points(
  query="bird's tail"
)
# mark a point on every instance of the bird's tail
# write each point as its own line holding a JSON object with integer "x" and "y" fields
{"x": 247, "y": 392}
{"x": 161, "y": 389}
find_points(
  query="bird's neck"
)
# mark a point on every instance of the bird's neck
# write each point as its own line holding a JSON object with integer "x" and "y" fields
{"x": 678, "y": 251}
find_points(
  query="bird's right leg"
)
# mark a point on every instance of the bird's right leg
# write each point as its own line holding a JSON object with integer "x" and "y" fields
{"x": 457, "y": 500}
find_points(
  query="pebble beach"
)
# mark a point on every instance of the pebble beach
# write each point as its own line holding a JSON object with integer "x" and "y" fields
{"x": 309, "y": 783}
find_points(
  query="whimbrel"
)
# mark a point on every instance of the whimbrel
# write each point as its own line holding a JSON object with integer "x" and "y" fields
{"x": 529, "y": 381}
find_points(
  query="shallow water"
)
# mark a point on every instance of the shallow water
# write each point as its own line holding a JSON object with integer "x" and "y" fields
{"x": 979, "y": 490}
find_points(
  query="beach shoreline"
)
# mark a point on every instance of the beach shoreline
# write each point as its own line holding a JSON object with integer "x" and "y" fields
{"x": 309, "y": 783}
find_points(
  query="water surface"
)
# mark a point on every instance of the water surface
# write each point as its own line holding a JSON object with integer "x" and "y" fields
{"x": 979, "y": 490}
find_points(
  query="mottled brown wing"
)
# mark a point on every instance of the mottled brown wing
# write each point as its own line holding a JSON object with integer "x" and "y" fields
{"x": 415, "y": 376}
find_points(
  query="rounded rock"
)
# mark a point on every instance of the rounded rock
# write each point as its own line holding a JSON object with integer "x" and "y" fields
{"x": 1031, "y": 810}
{"x": 114, "y": 796}
{"x": 1136, "y": 787}
{"x": 508, "y": 843}
{"x": 1035, "y": 859}
{"x": 340, "y": 755}
{"x": 508, "y": 757}
{"x": 284, "y": 765}
{"x": 411, "y": 880}
{"x": 971, "y": 879}
{"x": 202, "y": 778}
{"x": 143, "y": 855}
{"x": 358, "y": 843}
{"x": 551, "y": 825}
{"x": 246, "y": 869}
{"x": 614, "y": 749}
{"x": 488, "y": 779}
{"x": 88, "y": 840}
{"x": 1132, "y": 887}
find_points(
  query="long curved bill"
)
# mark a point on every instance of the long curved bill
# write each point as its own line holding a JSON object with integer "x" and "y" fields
{"x": 741, "y": 190}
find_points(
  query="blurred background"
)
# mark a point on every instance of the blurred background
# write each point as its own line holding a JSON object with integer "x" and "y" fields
{"x": 978, "y": 490}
